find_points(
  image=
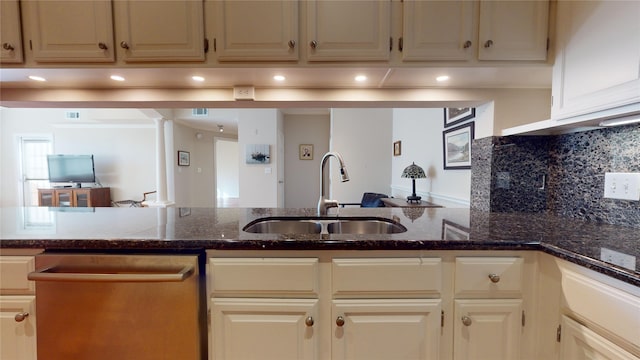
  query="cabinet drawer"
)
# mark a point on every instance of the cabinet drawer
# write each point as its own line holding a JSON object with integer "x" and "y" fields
{"x": 408, "y": 277}
{"x": 13, "y": 274}
{"x": 490, "y": 277}
{"x": 264, "y": 277}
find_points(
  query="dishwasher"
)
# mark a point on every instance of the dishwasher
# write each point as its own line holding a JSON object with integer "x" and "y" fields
{"x": 120, "y": 306}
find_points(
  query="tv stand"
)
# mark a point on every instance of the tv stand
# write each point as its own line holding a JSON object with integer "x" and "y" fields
{"x": 75, "y": 197}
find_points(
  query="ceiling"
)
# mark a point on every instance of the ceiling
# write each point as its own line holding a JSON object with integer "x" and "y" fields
{"x": 318, "y": 77}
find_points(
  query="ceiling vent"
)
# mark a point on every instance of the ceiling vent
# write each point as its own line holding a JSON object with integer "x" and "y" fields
{"x": 72, "y": 115}
{"x": 200, "y": 112}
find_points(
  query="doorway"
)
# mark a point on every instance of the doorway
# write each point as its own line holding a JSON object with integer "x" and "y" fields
{"x": 227, "y": 172}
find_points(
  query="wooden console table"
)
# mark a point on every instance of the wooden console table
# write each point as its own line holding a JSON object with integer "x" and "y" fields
{"x": 401, "y": 202}
{"x": 75, "y": 197}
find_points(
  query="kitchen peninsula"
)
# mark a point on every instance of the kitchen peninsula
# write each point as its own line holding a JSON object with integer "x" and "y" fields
{"x": 540, "y": 267}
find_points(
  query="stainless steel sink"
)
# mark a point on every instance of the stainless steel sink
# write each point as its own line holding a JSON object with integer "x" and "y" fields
{"x": 377, "y": 226}
{"x": 322, "y": 225}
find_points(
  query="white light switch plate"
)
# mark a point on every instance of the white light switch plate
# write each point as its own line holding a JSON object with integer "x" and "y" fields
{"x": 618, "y": 258}
{"x": 624, "y": 186}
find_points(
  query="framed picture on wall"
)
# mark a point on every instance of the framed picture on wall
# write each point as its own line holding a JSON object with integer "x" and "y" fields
{"x": 184, "y": 158}
{"x": 453, "y": 231}
{"x": 305, "y": 152}
{"x": 453, "y": 116}
{"x": 456, "y": 147}
{"x": 257, "y": 154}
{"x": 397, "y": 148}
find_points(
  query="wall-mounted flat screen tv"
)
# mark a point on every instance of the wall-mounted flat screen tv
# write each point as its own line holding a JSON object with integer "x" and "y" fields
{"x": 76, "y": 169}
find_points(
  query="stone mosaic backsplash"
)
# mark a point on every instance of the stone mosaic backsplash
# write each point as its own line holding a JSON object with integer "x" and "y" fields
{"x": 562, "y": 174}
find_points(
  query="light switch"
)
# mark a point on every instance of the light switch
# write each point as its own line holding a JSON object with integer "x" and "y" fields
{"x": 267, "y": 170}
{"x": 623, "y": 186}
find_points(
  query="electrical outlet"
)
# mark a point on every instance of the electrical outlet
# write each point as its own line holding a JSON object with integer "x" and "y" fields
{"x": 624, "y": 186}
{"x": 244, "y": 93}
{"x": 618, "y": 258}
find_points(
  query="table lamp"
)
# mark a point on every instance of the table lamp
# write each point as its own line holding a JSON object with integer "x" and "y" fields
{"x": 414, "y": 172}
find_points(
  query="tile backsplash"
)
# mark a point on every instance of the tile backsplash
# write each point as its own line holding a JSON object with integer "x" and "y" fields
{"x": 562, "y": 174}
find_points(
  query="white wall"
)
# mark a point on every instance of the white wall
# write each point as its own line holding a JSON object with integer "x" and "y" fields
{"x": 363, "y": 138}
{"x": 123, "y": 149}
{"x": 258, "y": 182}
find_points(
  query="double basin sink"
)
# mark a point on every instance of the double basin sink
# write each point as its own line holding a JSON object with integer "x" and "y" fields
{"x": 324, "y": 225}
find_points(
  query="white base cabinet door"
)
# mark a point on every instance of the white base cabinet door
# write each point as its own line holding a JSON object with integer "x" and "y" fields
{"x": 386, "y": 329}
{"x": 264, "y": 329}
{"x": 580, "y": 343}
{"x": 487, "y": 329}
{"x": 17, "y": 327}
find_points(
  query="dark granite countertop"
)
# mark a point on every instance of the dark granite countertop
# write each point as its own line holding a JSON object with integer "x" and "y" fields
{"x": 138, "y": 229}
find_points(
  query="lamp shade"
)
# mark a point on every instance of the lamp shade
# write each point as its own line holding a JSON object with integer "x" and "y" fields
{"x": 413, "y": 171}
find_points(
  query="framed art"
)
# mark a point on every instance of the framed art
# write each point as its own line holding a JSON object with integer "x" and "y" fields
{"x": 258, "y": 154}
{"x": 453, "y": 231}
{"x": 397, "y": 148}
{"x": 184, "y": 158}
{"x": 453, "y": 116}
{"x": 305, "y": 152}
{"x": 456, "y": 147}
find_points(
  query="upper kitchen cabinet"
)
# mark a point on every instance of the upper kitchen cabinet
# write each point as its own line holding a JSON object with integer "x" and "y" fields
{"x": 273, "y": 34}
{"x": 597, "y": 59}
{"x": 348, "y": 30}
{"x": 10, "y": 34}
{"x": 69, "y": 31}
{"x": 162, "y": 30}
{"x": 461, "y": 30}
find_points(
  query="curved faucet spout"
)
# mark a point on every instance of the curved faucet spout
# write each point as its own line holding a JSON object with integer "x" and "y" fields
{"x": 323, "y": 203}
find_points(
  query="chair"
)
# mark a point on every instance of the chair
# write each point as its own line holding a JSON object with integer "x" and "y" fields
{"x": 369, "y": 200}
{"x": 133, "y": 203}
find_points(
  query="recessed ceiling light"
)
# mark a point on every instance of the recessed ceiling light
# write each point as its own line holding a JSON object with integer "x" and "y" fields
{"x": 442, "y": 78}
{"x": 197, "y": 78}
{"x": 117, "y": 78}
{"x": 279, "y": 78}
{"x": 361, "y": 78}
{"x": 37, "y": 78}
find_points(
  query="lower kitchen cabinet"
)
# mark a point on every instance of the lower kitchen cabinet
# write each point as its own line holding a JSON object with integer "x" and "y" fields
{"x": 386, "y": 329}
{"x": 580, "y": 343}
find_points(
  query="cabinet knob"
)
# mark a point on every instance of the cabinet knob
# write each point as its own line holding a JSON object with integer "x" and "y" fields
{"x": 467, "y": 44}
{"x": 488, "y": 44}
{"x": 21, "y": 316}
{"x": 340, "y": 321}
{"x": 8, "y": 46}
{"x": 124, "y": 45}
{"x": 102, "y": 46}
{"x": 309, "y": 321}
{"x": 466, "y": 321}
{"x": 292, "y": 44}
{"x": 313, "y": 44}
{"x": 494, "y": 278}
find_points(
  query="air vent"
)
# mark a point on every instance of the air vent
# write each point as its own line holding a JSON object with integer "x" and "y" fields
{"x": 200, "y": 112}
{"x": 72, "y": 115}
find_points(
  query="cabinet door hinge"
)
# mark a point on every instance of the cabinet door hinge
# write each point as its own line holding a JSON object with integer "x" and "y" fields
{"x": 559, "y": 333}
{"x": 206, "y": 45}
{"x": 400, "y": 44}
{"x": 215, "y": 45}
{"x": 390, "y": 44}
{"x": 442, "y": 318}
{"x": 209, "y": 317}
{"x": 30, "y": 45}
{"x": 548, "y": 44}
{"x": 523, "y": 318}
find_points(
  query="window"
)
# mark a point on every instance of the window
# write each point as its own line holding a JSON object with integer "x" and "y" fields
{"x": 33, "y": 151}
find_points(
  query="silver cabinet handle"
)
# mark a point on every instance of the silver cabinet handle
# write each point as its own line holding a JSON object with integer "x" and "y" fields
{"x": 340, "y": 321}
{"x": 122, "y": 275}
{"x": 103, "y": 46}
{"x": 313, "y": 44}
{"x": 488, "y": 44}
{"x": 467, "y": 44}
{"x": 124, "y": 45}
{"x": 8, "y": 46}
{"x": 292, "y": 44}
{"x": 309, "y": 321}
{"x": 494, "y": 278}
{"x": 466, "y": 321}
{"x": 21, "y": 316}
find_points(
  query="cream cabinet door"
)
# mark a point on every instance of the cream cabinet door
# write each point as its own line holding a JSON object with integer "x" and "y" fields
{"x": 580, "y": 343}
{"x": 264, "y": 329}
{"x": 69, "y": 31}
{"x": 160, "y": 30}
{"x": 513, "y": 30}
{"x": 256, "y": 30}
{"x": 10, "y": 32}
{"x": 348, "y": 30}
{"x": 18, "y": 340}
{"x": 597, "y": 59}
{"x": 386, "y": 329}
{"x": 438, "y": 30}
{"x": 487, "y": 329}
